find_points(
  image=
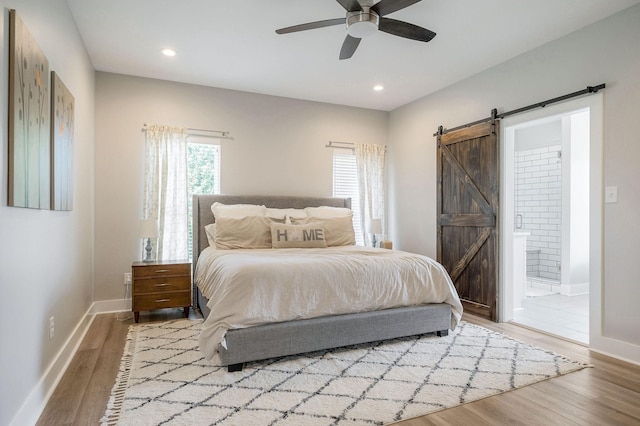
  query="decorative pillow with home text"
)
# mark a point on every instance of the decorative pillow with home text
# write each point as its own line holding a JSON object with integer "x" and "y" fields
{"x": 310, "y": 235}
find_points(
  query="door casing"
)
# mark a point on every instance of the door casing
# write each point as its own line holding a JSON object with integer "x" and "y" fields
{"x": 596, "y": 187}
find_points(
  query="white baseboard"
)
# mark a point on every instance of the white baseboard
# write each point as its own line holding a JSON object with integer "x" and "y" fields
{"x": 108, "y": 306}
{"x": 574, "y": 289}
{"x": 38, "y": 398}
{"x": 615, "y": 348}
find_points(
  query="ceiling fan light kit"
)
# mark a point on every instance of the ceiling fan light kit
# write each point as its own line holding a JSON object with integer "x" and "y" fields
{"x": 362, "y": 21}
{"x": 362, "y": 24}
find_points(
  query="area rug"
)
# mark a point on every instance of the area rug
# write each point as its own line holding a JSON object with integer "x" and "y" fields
{"x": 164, "y": 379}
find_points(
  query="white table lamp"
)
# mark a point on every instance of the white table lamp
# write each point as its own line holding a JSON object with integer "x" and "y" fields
{"x": 375, "y": 228}
{"x": 148, "y": 230}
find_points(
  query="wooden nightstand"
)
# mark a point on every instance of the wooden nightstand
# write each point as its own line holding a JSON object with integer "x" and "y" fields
{"x": 163, "y": 284}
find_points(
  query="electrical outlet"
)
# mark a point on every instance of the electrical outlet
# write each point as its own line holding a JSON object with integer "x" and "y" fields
{"x": 52, "y": 327}
{"x": 127, "y": 278}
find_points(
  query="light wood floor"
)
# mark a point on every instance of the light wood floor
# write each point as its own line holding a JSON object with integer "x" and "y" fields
{"x": 607, "y": 394}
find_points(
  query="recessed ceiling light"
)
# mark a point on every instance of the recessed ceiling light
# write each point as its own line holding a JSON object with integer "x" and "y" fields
{"x": 168, "y": 52}
{"x": 378, "y": 87}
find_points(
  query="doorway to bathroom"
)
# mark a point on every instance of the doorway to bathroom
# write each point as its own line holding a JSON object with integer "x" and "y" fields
{"x": 546, "y": 227}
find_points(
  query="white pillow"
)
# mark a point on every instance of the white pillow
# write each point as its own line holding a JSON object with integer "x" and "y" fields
{"x": 236, "y": 210}
{"x": 286, "y": 213}
{"x": 249, "y": 232}
{"x": 310, "y": 235}
{"x": 338, "y": 231}
{"x": 210, "y": 230}
{"x": 326, "y": 211}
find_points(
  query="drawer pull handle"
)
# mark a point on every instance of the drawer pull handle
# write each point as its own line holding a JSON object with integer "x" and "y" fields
{"x": 162, "y": 271}
{"x": 162, "y": 285}
{"x": 162, "y": 300}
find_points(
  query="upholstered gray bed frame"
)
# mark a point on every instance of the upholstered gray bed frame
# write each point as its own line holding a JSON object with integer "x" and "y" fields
{"x": 294, "y": 337}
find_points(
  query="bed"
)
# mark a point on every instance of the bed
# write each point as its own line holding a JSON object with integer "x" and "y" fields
{"x": 240, "y": 330}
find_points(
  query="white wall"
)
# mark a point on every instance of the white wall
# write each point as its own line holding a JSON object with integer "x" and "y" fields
{"x": 279, "y": 148}
{"x": 605, "y": 52}
{"x": 45, "y": 256}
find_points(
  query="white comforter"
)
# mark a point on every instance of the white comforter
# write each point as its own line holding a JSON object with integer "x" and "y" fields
{"x": 253, "y": 287}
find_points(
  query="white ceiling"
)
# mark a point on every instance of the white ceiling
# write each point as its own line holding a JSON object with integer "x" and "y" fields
{"x": 232, "y": 44}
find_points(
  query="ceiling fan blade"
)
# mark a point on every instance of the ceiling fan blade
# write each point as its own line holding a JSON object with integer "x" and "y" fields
{"x": 405, "y": 29}
{"x": 349, "y": 47}
{"x": 386, "y": 7}
{"x": 312, "y": 25}
{"x": 350, "y": 5}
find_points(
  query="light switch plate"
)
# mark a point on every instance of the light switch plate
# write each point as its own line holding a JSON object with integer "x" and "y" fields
{"x": 611, "y": 194}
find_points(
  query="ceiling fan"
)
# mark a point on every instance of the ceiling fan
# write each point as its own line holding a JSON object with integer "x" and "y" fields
{"x": 364, "y": 20}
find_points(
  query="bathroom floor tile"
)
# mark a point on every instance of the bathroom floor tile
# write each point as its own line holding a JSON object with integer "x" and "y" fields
{"x": 565, "y": 316}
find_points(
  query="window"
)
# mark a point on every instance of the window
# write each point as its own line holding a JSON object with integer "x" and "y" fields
{"x": 345, "y": 184}
{"x": 203, "y": 169}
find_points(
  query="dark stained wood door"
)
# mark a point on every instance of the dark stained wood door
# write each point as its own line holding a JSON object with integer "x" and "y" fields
{"x": 468, "y": 206}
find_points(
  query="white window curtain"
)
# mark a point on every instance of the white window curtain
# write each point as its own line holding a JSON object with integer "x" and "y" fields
{"x": 165, "y": 189}
{"x": 370, "y": 160}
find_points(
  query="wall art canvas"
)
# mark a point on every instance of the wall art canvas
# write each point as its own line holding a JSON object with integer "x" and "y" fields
{"x": 62, "y": 104}
{"x": 29, "y": 130}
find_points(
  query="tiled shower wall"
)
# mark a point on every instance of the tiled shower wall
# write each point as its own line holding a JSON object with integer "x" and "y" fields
{"x": 538, "y": 208}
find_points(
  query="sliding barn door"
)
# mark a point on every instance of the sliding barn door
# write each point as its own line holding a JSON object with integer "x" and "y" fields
{"x": 468, "y": 189}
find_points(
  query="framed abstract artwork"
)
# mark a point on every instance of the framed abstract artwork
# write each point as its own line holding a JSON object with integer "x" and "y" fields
{"x": 62, "y": 120}
{"x": 29, "y": 131}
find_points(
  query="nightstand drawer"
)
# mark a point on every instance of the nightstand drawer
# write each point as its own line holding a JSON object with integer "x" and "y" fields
{"x": 150, "y": 301}
{"x": 149, "y": 271}
{"x": 161, "y": 284}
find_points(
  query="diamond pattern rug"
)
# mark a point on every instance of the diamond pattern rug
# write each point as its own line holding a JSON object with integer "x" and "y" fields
{"x": 164, "y": 379}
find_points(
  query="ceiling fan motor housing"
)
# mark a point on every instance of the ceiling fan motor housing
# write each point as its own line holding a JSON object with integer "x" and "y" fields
{"x": 363, "y": 23}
